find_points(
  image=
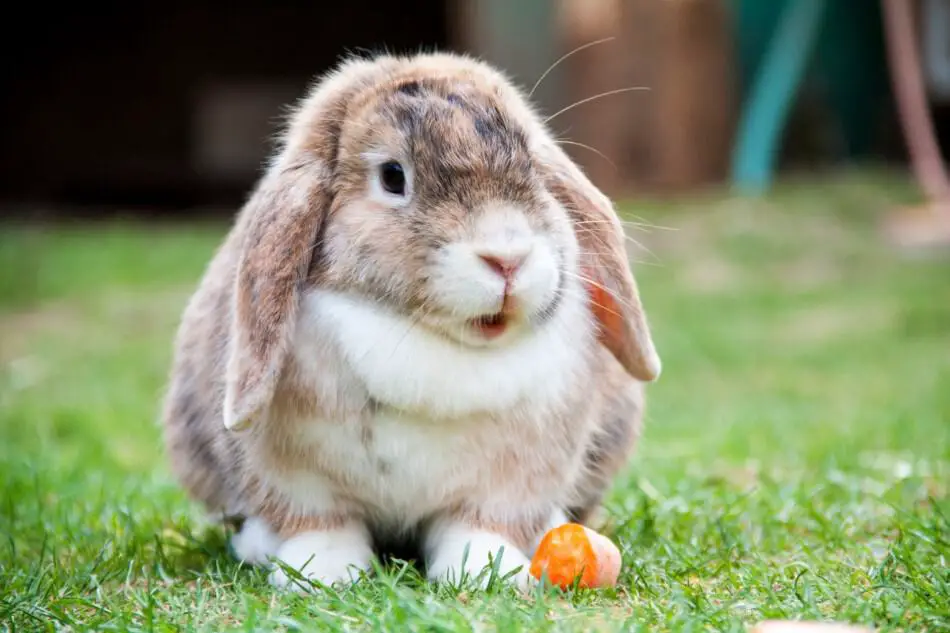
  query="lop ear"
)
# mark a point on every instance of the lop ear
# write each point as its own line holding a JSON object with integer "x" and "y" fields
{"x": 283, "y": 220}
{"x": 615, "y": 301}
{"x": 277, "y": 234}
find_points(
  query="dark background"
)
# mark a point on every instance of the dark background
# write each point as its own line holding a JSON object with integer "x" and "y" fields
{"x": 166, "y": 109}
{"x": 102, "y": 106}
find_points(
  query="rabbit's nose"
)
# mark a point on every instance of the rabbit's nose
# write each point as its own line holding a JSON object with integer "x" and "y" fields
{"x": 505, "y": 265}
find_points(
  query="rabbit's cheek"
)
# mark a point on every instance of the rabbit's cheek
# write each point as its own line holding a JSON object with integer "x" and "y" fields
{"x": 537, "y": 282}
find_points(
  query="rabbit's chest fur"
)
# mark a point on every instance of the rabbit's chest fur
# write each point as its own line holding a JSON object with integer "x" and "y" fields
{"x": 399, "y": 468}
{"x": 387, "y": 417}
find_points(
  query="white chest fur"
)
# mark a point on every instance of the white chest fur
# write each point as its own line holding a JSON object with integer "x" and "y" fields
{"x": 412, "y": 369}
{"x": 451, "y": 424}
{"x": 404, "y": 468}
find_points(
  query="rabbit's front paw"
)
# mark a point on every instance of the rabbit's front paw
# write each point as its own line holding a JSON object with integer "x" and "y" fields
{"x": 325, "y": 557}
{"x": 255, "y": 542}
{"x": 459, "y": 553}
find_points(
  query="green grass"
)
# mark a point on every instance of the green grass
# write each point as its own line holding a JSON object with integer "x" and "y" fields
{"x": 796, "y": 461}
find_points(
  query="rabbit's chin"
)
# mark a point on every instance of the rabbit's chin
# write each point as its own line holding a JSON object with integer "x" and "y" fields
{"x": 411, "y": 367}
{"x": 486, "y": 331}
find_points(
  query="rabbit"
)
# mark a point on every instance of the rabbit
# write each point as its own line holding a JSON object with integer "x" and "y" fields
{"x": 421, "y": 327}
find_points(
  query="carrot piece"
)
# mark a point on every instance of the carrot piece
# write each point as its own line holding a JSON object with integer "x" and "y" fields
{"x": 573, "y": 553}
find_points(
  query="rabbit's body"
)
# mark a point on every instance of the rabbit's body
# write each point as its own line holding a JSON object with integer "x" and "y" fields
{"x": 373, "y": 398}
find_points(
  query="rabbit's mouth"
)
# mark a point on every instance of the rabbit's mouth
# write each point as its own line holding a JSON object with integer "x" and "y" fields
{"x": 490, "y": 326}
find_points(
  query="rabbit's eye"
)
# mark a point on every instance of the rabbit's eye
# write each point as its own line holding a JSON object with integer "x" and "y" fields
{"x": 393, "y": 178}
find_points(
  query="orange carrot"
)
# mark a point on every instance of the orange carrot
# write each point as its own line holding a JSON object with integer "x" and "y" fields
{"x": 572, "y": 553}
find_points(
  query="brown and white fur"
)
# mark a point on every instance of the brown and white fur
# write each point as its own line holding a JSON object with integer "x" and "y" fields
{"x": 337, "y": 381}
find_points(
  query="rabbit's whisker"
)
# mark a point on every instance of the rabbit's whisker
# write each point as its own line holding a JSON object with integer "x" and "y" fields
{"x": 626, "y": 237}
{"x": 565, "y": 57}
{"x": 594, "y": 98}
{"x": 640, "y": 224}
{"x": 564, "y": 141}
{"x": 588, "y": 299}
{"x": 599, "y": 285}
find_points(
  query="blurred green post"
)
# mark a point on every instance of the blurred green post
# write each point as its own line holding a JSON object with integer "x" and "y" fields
{"x": 779, "y": 42}
{"x": 773, "y": 92}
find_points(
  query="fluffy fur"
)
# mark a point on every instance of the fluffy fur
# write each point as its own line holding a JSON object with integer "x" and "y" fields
{"x": 340, "y": 378}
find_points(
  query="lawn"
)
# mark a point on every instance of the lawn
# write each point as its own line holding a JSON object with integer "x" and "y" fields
{"x": 796, "y": 461}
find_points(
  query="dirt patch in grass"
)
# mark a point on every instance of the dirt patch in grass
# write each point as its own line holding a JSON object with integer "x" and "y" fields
{"x": 91, "y": 320}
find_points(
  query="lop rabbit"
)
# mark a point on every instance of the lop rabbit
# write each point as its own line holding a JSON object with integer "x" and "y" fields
{"x": 422, "y": 326}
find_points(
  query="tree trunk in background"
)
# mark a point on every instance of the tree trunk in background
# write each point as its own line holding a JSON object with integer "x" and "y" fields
{"x": 695, "y": 93}
{"x": 676, "y": 135}
{"x": 603, "y": 124}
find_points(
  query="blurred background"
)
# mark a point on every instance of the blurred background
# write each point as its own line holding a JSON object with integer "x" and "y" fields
{"x": 168, "y": 108}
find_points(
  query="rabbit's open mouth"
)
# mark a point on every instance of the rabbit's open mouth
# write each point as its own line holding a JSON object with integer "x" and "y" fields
{"x": 490, "y": 326}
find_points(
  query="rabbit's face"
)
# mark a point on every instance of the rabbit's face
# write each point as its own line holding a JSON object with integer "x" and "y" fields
{"x": 439, "y": 213}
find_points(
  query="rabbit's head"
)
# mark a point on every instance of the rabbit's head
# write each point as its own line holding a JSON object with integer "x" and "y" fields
{"x": 428, "y": 186}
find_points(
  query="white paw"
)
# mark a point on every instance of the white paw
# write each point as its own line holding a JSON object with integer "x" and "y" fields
{"x": 255, "y": 543}
{"x": 450, "y": 562}
{"x": 327, "y": 557}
